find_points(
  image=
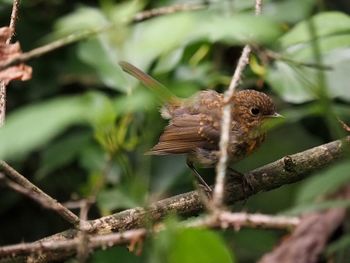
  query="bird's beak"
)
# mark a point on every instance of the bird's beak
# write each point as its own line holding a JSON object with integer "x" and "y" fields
{"x": 276, "y": 115}
{"x": 272, "y": 121}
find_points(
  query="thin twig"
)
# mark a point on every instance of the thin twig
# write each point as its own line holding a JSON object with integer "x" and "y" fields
{"x": 39, "y": 51}
{"x": 14, "y": 15}
{"x": 12, "y": 26}
{"x": 84, "y": 239}
{"x": 141, "y": 16}
{"x": 78, "y": 36}
{"x": 68, "y": 245}
{"x": 75, "y": 37}
{"x": 218, "y": 196}
{"x": 2, "y": 103}
{"x": 344, "y": 125}
{"x": 24, "y": 191}
{"x": 224, "y": 220}
{"x": 40, "y": 196}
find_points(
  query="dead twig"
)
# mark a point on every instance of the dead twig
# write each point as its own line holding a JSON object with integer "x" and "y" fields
{"x": 24, "y": 186}
{"x": 243, "y": 61}
{"x": 14, "y": 15}
{"x": 83, "y": 250}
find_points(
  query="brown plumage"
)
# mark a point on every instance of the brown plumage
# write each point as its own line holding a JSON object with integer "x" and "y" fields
{"x": 194, "y": 126}
{"x": 194, "y": 123}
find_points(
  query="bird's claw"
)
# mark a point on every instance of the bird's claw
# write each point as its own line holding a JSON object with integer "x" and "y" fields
{"x": 246, "y": 182}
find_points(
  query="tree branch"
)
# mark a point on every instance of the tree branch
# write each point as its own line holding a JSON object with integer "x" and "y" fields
{"x": 222, "y": 220}
{"x": 24, "y": 186}
{"x": 289, "y": 169}
{"x": 286, "y": 170}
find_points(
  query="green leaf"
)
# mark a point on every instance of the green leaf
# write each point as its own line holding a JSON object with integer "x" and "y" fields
{"x": 143, "y": 42}
{"x": 139, "y": 100}
{"x": 236, "y": 29}
{"x": 338, "y": 78}
{"x": 325, "y": 182}
{"x": 62, "y": 152}
{"x": 124, "y": 12}
{"x": 292, "y": 83}
{"x": 101, "y": 111}
{"x": 33, "y": 126}
{"x": 298, "y": 84}
{"x": 104, "y": 57}
{"x": 150, "y": 39}
{"x": 82, "y": 18}
{"x": 305, "y": 53}
{"x": 102, "y": 52}
{"x": 168, "y": 61}
{"x": 127, "y": 194}
{"x": 200, "y": 245}
{"x": 290, "y": 11}
{"x": 326, "y": 24}
{"x": 109, "y": 200}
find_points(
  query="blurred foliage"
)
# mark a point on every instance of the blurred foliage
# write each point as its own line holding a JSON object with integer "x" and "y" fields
{"x": 81, "y": 126}
{"x": 176, "y": 244}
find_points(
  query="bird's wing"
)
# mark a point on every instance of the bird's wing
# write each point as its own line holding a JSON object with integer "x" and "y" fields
{"x": 185, "y": 133}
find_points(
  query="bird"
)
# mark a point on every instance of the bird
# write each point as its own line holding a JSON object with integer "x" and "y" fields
{"x": 195, "y": 123}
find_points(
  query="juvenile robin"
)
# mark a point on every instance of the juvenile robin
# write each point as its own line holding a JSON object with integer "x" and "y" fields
{"x": 194, "y": 123}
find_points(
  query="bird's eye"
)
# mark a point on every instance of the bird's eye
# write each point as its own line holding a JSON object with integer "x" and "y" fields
{"x": 255, "y": 111}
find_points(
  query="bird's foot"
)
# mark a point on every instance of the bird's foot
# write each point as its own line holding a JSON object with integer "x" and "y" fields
{"x": 206, "y": 190}
{"x": 246, "y": 183}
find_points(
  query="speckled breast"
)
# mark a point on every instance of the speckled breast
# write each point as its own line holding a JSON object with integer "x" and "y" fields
{"x": 239, "y": 150}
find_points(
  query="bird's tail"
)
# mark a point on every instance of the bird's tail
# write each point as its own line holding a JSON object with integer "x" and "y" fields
{"x": 163, "y": 93}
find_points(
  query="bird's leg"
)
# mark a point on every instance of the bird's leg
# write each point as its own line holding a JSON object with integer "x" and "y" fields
{"x": 247, "y": 186}
{"x": 198, "y": 177}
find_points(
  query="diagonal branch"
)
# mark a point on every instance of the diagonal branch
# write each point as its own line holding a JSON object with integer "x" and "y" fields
{"x": 286, "y": 170}
{"x": 25, "y": 187}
